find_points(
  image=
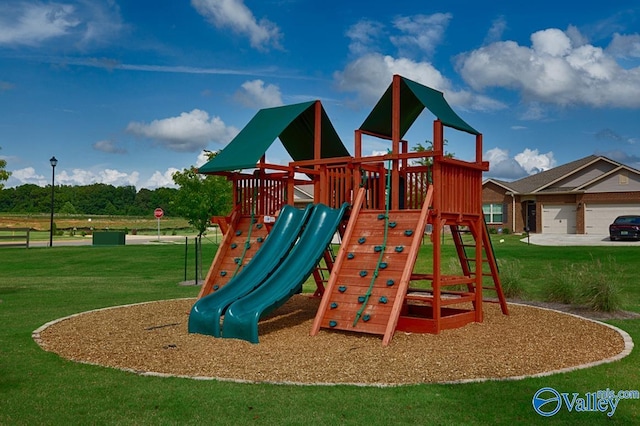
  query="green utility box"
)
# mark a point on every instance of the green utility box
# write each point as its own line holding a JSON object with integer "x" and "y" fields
{"x": 108, "y": 238}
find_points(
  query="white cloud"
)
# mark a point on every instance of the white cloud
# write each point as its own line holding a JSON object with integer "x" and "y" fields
{"x": 421, "y": 32}
{"x": 236, "y": 16}
{"x": 188, "y": 132}
{"x": 161, "y": 179}
{"x": 113, "y": 177}
{"x": 558, "y": 68}
{"x": 528, "y": 162}
{"x": 534, "y": 162}
{"x": 106, "y": 176}
{"x": 34, "y": 23}
{"x": 109, "y": 147}
{"x": 497, "y": 29}
{"x": 29, "y": 175}
{"x": 369, "y": 75}
{"x": 364, "y": 35}
{"x": 624, "y": 46}
{"x": 254, "y": 94}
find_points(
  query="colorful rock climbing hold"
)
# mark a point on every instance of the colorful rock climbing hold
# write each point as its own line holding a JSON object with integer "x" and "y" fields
{"x": 333, "y": 323}
{"x": 233, "y": 245}
{"x": 260, "y": 239}
{"x": 350, "y": 256}
{"x": 399, "y": 249}
{"x": 223, "y": 273}
{"x": 237, "y": 260}
{"x": 361, "y": 240}
{"x": 363, "y": 273}
{"x": 215, "y": 287}
{"x": 334, "y": 305}
{"x": 366, "y": 317}
{"x": 390, "y": 283}
{"x": 259, "y": 226}
{"x": 238, "y": 232}
{"x": 377, "y": 249}
{"x": 342, "y": 288}
{"x": 383, "y": 265}
{"x": 381, "y": 216}
{"x": 361, "y": 299}
{"x": 392, "y": 224}
{"x": 408, "y": 232}
{"x": 383, "y": 299}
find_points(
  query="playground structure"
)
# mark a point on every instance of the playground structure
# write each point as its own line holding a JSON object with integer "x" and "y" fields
{"x": 371, "y": 285}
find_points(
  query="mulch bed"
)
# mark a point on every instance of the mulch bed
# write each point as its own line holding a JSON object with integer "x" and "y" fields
{"x": 153, "y": 337}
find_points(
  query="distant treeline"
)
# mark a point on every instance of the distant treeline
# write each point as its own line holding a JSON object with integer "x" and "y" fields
{"x": 95, "y": 199}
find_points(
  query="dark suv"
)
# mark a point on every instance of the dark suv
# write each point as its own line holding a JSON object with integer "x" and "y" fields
{"x": 625, "y": 227}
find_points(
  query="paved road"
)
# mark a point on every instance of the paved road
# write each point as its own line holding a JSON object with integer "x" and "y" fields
{"x": 129, "y": 240}
{"x": 577, "y": 240}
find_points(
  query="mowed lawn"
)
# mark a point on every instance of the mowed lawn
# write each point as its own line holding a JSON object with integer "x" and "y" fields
{"x": 38, "y": 285}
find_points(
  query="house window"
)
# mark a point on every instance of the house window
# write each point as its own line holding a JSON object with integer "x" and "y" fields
{"x": 623, "y": 179}
{"x": 492, "y": 213}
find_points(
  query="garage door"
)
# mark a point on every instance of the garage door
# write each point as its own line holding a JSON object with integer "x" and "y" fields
{"x": 559, "y": 219}
{"x": 597, "y": 217}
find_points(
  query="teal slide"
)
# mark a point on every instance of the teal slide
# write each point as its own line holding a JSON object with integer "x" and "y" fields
{"x": 206, "y": 312}
{"x": 241, "y": 318}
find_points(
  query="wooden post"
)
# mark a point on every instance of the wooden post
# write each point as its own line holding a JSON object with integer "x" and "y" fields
{"x": 395, "y": 146}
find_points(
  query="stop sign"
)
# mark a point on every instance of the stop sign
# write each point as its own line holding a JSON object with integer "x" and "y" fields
{"x": 158, "y": 213}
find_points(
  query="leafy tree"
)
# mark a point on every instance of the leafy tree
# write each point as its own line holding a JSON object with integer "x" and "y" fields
{"x": 200, "y": 197}
{"x": 4, "y": 174}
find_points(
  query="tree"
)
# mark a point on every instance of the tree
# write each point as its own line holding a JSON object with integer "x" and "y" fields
{"x": 198, "y": 198}
{"x": 4, "y": 174}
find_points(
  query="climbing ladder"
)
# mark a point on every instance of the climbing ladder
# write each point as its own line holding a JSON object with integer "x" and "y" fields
{"x": 241, "y": 241}
{"x": 322, "y": 272}
{"x": 466, "y": 253}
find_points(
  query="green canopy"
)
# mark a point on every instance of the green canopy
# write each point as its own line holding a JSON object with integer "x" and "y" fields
{"x": 293, "y": 124}
{"x": 414, "y": 98}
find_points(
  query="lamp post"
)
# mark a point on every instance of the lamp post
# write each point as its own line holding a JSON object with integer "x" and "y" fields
{"x": 54, "y": 163}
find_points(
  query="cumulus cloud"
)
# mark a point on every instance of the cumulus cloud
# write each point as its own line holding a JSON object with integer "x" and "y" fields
{"x": 34, "y": 23}
{"x": 161, "y": 179}
{"x": 414, "y": 38}
{"x": 234, "y": 15}
{"x": 254, "y": 94}
{"x": 364, "y": 35}
{"x": 106, "y": 176}
{"x": 29, "y": 175}
{"x": 624, "y": 46}
{"x": 421, "y": 33}
{"x": 188, "y": 132}
{"x": 528, "y": 162}
{"x": 113, "y": 177}
{"x": 109, "y": 147}
{"x": 497, "y": 29}
{"x": 369, "y": 75}
{"x": 558, "y": 68}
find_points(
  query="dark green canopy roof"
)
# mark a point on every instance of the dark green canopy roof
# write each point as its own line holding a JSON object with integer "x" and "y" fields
{"x": 414, "y": 98}
{"x": 293, "y": 124}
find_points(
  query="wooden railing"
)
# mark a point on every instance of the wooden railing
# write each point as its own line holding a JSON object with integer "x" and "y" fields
{"x": 14, "y": 237}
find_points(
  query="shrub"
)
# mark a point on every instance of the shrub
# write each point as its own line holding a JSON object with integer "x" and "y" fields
{"x": 561, "y": 285}
{"x": 600, "y": 290}
{"x": 511, "y": 278}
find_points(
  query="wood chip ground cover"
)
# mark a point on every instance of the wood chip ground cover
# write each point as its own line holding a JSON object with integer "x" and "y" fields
{"x": 153, "y": 337}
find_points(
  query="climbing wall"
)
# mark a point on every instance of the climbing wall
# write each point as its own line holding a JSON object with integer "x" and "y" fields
{"x": 370, "y": 274}
{"x": 239, "y": 244}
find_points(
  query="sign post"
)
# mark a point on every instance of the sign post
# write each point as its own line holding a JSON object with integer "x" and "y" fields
{"x": 158, "y": 213}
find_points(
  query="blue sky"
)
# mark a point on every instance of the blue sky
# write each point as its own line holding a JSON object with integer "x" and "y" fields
{"x": 127, "y": 92}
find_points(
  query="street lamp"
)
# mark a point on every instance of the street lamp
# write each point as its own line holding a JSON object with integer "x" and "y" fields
{"x": 54, "y": 163}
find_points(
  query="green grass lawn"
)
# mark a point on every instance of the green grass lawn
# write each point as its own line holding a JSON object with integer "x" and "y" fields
{"x": 36, "y": 387}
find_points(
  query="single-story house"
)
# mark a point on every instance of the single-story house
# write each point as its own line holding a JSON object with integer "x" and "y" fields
{"x": 581, "y": 197}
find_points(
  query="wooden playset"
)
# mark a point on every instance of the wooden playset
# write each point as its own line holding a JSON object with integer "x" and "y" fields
{"x": 370, "y": 285}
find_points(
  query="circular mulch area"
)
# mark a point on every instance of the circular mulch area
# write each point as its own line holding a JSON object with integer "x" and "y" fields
{"x": 152, "y": 338}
